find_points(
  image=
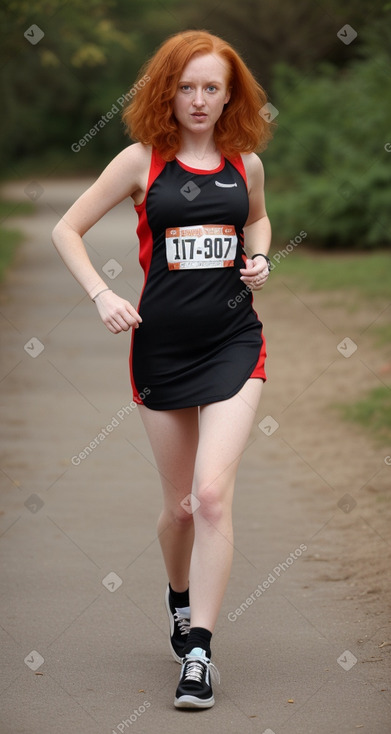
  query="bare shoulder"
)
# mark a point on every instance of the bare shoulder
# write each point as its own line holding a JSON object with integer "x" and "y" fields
{"x": 124, "y": 176}
{"x": 137, "y": 155}
{"x": 132, "y": 162}
{"x": 132, "y": 166}
{"x": 254, "y": 169}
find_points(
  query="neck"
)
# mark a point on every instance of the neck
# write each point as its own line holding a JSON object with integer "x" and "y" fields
{"x": 197, "y": 146}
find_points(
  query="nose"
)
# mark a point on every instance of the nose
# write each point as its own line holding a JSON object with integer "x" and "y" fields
{"x": 198, "y": 100}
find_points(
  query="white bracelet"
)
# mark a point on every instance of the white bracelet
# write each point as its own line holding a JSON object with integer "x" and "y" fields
{"x": 98, "y": 294}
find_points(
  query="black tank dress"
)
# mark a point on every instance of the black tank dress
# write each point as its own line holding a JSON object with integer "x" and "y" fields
{"x": 200, "y": 338}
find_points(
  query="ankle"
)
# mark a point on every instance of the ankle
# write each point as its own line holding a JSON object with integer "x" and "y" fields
{"x": 179, "y": 598}
{"x": 198, "y": 637}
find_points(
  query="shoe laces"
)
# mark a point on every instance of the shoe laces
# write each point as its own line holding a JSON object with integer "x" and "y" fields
{"x": 183, "y": 622}
{"x": 195, "y": 668}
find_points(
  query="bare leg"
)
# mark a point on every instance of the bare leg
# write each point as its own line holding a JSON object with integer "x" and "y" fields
{"x": 224, "y": 430}
{"x": 173, "y": 435}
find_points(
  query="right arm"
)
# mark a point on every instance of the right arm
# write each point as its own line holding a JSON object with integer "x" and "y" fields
{"x": 123, "y": 177}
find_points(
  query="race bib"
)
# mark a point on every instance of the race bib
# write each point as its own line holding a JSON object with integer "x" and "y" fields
{"x": 201, "y": 246}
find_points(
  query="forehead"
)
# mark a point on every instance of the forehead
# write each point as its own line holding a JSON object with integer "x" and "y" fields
{"x": 207, "y": 67}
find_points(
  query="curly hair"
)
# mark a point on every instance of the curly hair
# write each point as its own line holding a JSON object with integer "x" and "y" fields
{"x": 149, "y": 117}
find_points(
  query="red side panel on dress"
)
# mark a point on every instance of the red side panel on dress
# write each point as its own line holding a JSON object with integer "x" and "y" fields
{"x": 146, "y": 244}
{"x": 259, "y": 370}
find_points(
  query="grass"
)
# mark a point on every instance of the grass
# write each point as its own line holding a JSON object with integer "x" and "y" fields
{"x": 373, "y": 412}
{"x": 383, "y": 335}
{"x": 368, "y": 274}
{"x": 10, "y": 238}
{"x": 14, "y": 209}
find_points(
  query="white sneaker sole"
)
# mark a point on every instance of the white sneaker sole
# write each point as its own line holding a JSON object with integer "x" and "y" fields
{"x": 192, "y": 702}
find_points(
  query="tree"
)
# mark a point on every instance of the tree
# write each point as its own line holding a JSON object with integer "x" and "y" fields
{"x": 329, "y": 164}
{"x": 55, "y": 87}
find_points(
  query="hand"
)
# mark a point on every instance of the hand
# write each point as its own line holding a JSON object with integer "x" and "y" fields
{"x": 255, "y": 274}
{"x": 116, "y": 313}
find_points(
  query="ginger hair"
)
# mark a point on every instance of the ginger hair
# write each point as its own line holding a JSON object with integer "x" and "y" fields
{"x": 149, "y": 117}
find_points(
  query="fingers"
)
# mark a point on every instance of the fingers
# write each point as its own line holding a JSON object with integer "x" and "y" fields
{"x": 253, "y": 269}
{"x": 254, "y": 275}
{"x": 252, "y": 284}
{"x": 117, "y": 313}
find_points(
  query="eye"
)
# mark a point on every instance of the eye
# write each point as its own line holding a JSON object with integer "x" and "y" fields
{"x": 185, "y": 87}
{"x": 212, "y": 88}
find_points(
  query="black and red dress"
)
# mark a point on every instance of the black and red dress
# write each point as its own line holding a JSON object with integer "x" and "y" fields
{"x": 200, "y": 338}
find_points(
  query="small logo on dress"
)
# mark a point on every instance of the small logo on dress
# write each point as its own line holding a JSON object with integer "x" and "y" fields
{"x": 225, "y": 186}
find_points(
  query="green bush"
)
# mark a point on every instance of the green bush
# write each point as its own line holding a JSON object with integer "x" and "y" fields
{"x": 327, "y": 169}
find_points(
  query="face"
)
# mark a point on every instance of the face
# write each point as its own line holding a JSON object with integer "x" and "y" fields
{"x": 202, "y": 93}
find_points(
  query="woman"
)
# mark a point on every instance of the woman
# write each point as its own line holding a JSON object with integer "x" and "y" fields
{"x": 198, "y": 352}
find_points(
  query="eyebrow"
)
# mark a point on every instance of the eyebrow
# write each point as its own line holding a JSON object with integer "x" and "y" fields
{"x": 185, "y": 81}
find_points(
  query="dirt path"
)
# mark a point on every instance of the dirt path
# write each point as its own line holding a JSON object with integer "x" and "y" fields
{"x": 308, "y": 652}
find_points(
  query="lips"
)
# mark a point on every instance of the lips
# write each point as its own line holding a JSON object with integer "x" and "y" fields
{"x": 198, "y": 114}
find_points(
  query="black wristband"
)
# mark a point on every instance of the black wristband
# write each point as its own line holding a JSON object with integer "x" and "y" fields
{"x": 260, "y": 254}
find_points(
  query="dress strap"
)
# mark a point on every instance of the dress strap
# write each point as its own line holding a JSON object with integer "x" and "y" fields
{"x": 156, "y": 167}
{"x": 237, "y": 162}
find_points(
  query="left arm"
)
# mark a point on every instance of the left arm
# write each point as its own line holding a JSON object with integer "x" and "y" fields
{"x": 257, "y": 230}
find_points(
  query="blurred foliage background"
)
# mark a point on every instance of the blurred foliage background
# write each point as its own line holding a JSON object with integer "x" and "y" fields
{"x": 328, "y": 167}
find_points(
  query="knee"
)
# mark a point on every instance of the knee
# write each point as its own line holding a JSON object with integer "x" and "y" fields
{"x": 212, "y": 498}
{"x": 181, "y": 514}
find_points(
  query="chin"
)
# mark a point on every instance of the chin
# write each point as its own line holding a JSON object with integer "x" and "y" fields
{"x": 202, "y": 123}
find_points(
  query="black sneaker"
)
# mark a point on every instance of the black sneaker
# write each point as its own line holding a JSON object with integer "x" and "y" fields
{"x": 179, "y": 626}
{"x": 194, "y": 689}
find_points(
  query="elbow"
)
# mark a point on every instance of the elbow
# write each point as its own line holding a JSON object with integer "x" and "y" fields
{"x": 56, "y": 234}
{"x": 62, "y": 232}
{"x": 59, "y": 233}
